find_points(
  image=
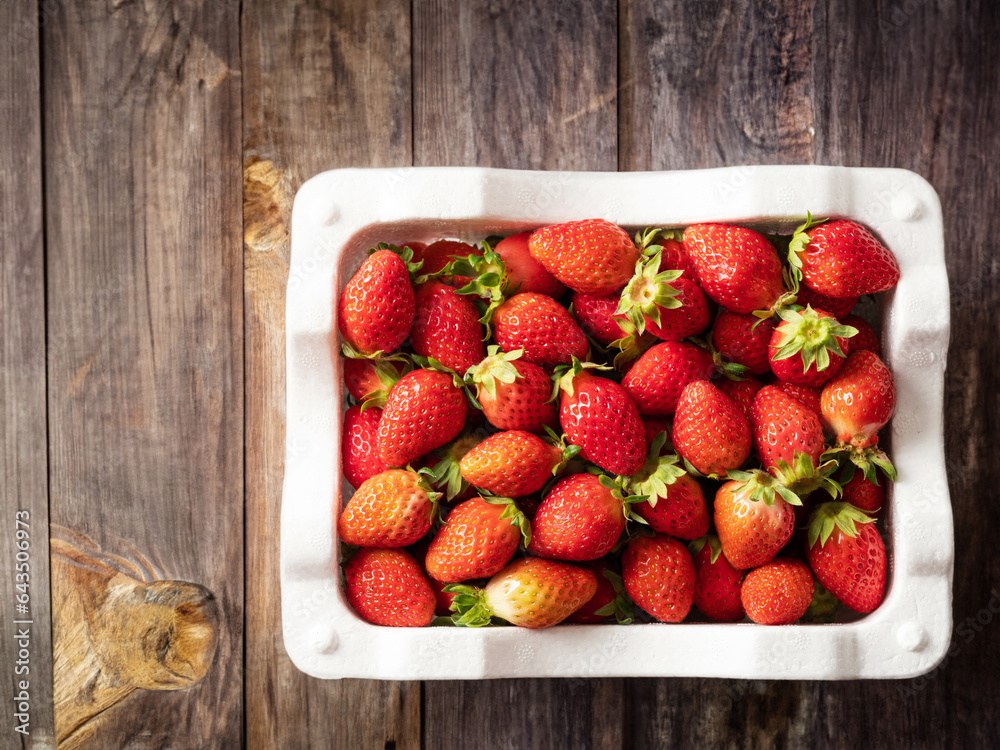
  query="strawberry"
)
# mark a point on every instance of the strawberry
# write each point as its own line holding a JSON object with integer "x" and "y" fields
{"x": 782, "y": 427}
{"x": 808, "y": 347}
{"x": 777, "y": 593}
{"x": 361, "y": 459}
{"x": 668, "y": 305}
{"x": 657, "y": 378}
{"x": 859, "y": 401}
{"x": 376, "y": 308}
{"x": 716, "y": 581}
{"x": 387, "y": 587}
{"x": 710, "y": 432}
{"x": 659, "y": 576}
{"x": 753, "y": 519}
{"x": 862, "y": 493}
{"x": 442, "y": 598}
{"x": 438, "y": 255}
{"x": 741, "y": 392}
{"x": 477, "y": 539}
{"x": 530, "y": 592}
{"x": 673, "y": 256}
{"x": 370, "y": 380}
{"x": 743, "y": 339}
{"x": 737, "y": 267}
{"x": 804, "y": 394}
{"x": 424, "y": 410}
{"x": 598, "y": 415}
{"x": 511, "y": 463}
{"x": 653, "y": 426}
{"x": 514, "y": 394}
{"x": 592, "y": 256}
{"x": 391, "y": 509}
{"x": 596, "y": 316}
{"x": 541, "y": 327}
{"x": 838, "y": 307}
{"x": 416, "y": 247}
{"x": 579, "y": 519}
{"x": 446, "y": 327}
{"x": 609, "y": 603}
{"x": 524, "y": 273}
{"x": 680, "y": 512}
{"x": 842, "y": 259}
{"x": 866, "y": 338}
{"x": 847, "y": 555}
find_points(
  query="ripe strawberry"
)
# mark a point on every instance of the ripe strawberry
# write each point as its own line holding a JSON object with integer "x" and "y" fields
{"x": 387, "y": 587}
{"x": 681, "y": 512}
{"x": 439, "y": 254}
{"x": 511, "y": 463}
{"x": 866, "y": 338}
{"x": 524, "y": 273}
{"x": 609, "y": 603}
{"x": 530, "y": 592}
{"x": 804, "y": 394}
{"x": 416, "y": 247}
{"x": 657, "y": 378}
{"x": 737, "y": 267}
{"x": 541, "y": 327}
{"x": 514, "y": 394}
{"x": 442, "y": 598}
{"x": 782, "y": 427}
{"x": 370, "y": 380}
{"x": 859, "y": 401}
{"x": 361, "y": 459}
{"x": 376, "y": 308}
{"x": 653, "y": 426}
{"x": 752, "y": 520}
{"x": 716, "y": 581}
{"x": 777, "y": 593}
{"x": 596, "y": 316}
{"x": 446, "y": 327}
{"x": 838, "y": 307}
{"x": 743, "y": 339}
{"x": 862, "y": 493}
{"x": 477, "y": 539}
{"x": 847, "y": 555}
{"x": 842, "y": 259}
{"x": 425, "y": 410}
{"x": 598, "y": 415}
{"x": 666, "y": 304}
{"x": 592, "y": 256}
{"x": 710, "y": 432}
{"x": 808, "y": 347}
{"x": 579, "y": 519}
{"x": 741, "y": 392}
{"x": 659, "y": 576}
{"x": 673, "y": 256}
{"x": 392, "y": 509}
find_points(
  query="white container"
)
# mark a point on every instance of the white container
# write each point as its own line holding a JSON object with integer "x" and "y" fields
{"x": 338, "y": 215}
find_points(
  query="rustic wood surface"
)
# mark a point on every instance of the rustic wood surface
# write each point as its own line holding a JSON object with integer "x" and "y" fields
{"x": 143, "y": 394}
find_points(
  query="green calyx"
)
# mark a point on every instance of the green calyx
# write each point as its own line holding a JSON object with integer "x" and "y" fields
{"x": 496, "y": 368}
{"x": 489, "y": 281}
{"x": 649, "y": 239}
{"x": 621, "y": 606}
{"x": 797, "y": 245}
{"x": 714, "y": 545}
{"x": 835, "y": 515}
{"x": 731, "y": 370}
{"x": 512, "y": 513}
{"x": 471, "y": 610}
{"x": 657, "y": 474}
{"x": 447, "y": 472}
{"x": 406, "y": 255}
{"x": 811, "y": 335}
{"x": 823, "y": 607}
{"x": 870, "y": 460}
{"x": 567, "y": 451}
{"x": 619, "y": 487}
{"x": 565, "y": 375}
{"x": 388, "y": 375}
{"x": 804, "y": 478}
{"x": 648, "y": 292}
{"x": 631, "y": 345}
{"x": 760, "y": 486}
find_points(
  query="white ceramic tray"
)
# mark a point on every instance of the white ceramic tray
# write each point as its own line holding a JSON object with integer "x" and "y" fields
{"x": 338, "y": 215}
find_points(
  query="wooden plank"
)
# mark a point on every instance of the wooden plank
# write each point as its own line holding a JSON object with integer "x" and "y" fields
{"x": 521, "y": 85}
{"x": 25, "y": 663}
{"x": 325, "y": 85}
{"x": 145, "y": 391}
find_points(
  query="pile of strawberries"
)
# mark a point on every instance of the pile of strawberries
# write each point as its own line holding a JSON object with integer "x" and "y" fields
{"x": 571, "y": 425}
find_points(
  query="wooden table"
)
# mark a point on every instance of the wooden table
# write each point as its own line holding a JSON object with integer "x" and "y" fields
{"x": 149, "y": 153}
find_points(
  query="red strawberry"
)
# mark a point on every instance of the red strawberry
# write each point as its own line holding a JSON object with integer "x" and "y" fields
{"x": 866, "y": 338}
{"x": 425, "y": 410}
{"x": 514, "y": 394}
{"x": 808, "y": 347}
{"x": 524, "y": 273}
{"x": 439, "y": 254}
{"x": 741, "y": 392}
{"x": 442, "y": 598}
{"x": 777, "y": 593}
{"x": 608, "y": 597}
{"x": 598, "y": 415}
{"x": 369, "y": 380}
{"x": 579, "y": 519}
{"x": 653, "y": 426}
{"x": 592, "y": 256}
{"x": 717, "y": 582}
{"x": 361, "y": 459}
{"x": 842, "y": 259}
{"x": 804, "y": 394}
{"x": 511, "y": 463}
{"x": 664, "y": 303}
{"x": 376, "y": 308}
{"x": 847, "y": 555}
{"x": 657, "y": 378}
{"x": 710, "y": 431}
{"x": 737, "y": 267}
{"x": 477, "y": 539}
{"x": 541, "y": 327}
{"x": 416, "y": 247}
{"x": 752, "y": 522}
{"x": 782, "y": 428}
{"x": 387, "y": 587}
{"x": 596, "y": 316}
{"x": 659, "y": 576}
{"x": 530, "y": 592}
{"x": 859, "y": 401}
{"x": 682, "y": 512}
{"x": 446, "y": 327}
{"x": 673, "y": 256}
{"x": 838, "y": 307}
{"x": 862, "y": 493}
{"x": 392, "y": 509}
{"x": 743, "y": 339}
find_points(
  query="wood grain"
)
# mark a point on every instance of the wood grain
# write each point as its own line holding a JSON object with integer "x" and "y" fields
{"x": 24, "y": 489}
{"x": 144, "y": 305}
{"x": 325, "y": 85}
